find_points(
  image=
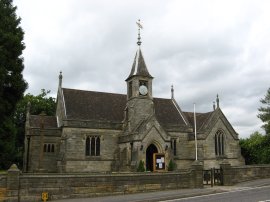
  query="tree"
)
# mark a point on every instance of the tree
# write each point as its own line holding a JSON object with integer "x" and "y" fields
{"x": 251, "y": 148}
{"x": 12, "y": 84}
{"x": 40, "y": 103}
{"x": 256, "y": 149}
{"x": 264, "y": 114}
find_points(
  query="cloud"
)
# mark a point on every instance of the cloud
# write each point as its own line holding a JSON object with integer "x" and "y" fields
{"x": 203, "y": 48}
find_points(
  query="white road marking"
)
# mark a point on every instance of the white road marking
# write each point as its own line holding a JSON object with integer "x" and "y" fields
{"x": 225, "y": 192}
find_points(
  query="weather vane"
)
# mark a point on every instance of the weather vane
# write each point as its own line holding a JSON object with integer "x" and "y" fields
{"x": 139, "y": 34}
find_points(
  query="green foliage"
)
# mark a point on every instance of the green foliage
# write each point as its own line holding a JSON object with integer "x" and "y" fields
{"x": 256, "y": 149}
{"x": 13, "y": 130}
{"x": 264, "y": 114}
{"x": 38, "y": 103}
{"x": 141, "y": 167}
{"x": 12, "y": 84}
{"x": 7, "y": 143}
{"x": 171, "y": 166}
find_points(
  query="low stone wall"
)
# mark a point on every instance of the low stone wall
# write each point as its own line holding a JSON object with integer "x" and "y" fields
{"x": 3, "y": 180}
{"x": 29, "y": 187}
{"x": 235, "y": 174}
{"x": 17, "y": 186}
{"x": 3, "y": 188}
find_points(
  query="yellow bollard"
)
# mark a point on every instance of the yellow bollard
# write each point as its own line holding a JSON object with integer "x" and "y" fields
{"x": 44, "y": 196}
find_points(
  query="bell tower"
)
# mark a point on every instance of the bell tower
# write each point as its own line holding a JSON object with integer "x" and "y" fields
{"x": 139, "y": 89}
{"x": 139, "y": 81}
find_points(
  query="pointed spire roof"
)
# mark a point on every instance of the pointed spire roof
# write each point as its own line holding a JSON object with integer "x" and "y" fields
{"x": 139, "y": 67}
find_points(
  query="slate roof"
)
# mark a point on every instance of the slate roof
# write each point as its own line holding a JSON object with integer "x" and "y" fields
{"x": 100, "y": 106}
{"x": 201, "y": 118}
{"x": 91, "y": 105}
{"x": 139, "y": 67}
{"x": 166, "y": 112}
{"x": 49, "y": 121}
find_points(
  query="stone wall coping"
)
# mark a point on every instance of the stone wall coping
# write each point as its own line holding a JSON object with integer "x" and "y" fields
{"x": 252, "y": 166}
{"x": 71, "y": 175}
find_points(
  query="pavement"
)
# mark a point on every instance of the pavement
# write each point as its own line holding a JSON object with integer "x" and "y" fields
{"x": 173, "y": 194}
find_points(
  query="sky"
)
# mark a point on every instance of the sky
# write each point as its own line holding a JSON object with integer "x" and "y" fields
{"x": 202, "y": 48}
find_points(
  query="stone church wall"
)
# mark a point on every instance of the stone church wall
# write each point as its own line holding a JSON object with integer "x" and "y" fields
{"x": 75, "y": 157}
{"x": 185, "y": 151}
{"x": 49, "y": 159}
{"x": 232, "y": 151}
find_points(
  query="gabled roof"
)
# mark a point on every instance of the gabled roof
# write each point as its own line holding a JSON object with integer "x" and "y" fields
{"x": 36, "y": 120}
{"x": 91, "y": 105}
{"x": 167, "y": 112}
{"x": 139, "y": 67}
{"x": 100, "y": 106}
{"x": 206, "y": 121}
{"x": 201, "y": 118}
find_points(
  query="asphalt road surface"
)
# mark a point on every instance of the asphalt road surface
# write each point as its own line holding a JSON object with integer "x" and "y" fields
{"x": 252, "y": 191}
{"x": 258, "y": 194}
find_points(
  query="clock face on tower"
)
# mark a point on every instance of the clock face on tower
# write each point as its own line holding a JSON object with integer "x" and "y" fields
{"x": 143, "y": 90}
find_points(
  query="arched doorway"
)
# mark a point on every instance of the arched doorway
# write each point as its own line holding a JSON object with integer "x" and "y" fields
{"x": 151, "y": 149}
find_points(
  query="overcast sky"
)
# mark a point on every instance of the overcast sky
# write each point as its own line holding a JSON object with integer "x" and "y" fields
{"x": 201, "y": 47}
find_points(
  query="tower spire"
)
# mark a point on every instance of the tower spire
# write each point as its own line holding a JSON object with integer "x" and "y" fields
{"x": 217, "y": 100}
{"x": 172, "y": 92}
{"x": 60, "y": 79}
{"x": 139, "y": 32}
{"x": 139, "y": 67}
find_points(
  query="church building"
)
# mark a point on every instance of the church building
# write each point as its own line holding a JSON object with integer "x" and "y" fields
{"x": 107, "y": 132}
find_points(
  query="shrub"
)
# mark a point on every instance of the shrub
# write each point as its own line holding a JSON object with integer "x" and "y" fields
{"x": 141, "y": 167}
{"x": 171, "y": 166}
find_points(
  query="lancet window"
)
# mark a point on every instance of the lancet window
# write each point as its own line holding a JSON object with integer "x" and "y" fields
{"x": 92, "y": 146}
{"x": 219, "y": 143}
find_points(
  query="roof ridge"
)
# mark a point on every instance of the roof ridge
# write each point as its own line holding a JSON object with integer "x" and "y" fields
{"x": 209, "y": 114}
{"x": 198, "y": 113}
{"x": 94, "y": 91}
{"x": 43, "y": 115}
{"x": 160, "y": 98}
{"x": 109, "y": 93}
{"x": 180, "y": 111}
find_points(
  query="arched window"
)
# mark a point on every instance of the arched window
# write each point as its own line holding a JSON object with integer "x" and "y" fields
{"x": 92, "y": 146}
{"x": 48, "y": 148}
{"x": 97, "y": 146}
{"x": 173, "y": 146}
{"x": 45, "y": 148}
{"x": 219, "y": 143}
{"x": 87, "y": 146}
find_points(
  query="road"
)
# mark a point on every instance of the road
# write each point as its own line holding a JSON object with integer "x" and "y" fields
{"x": 258, "y": 194}
{"x": 252, "y": 191}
